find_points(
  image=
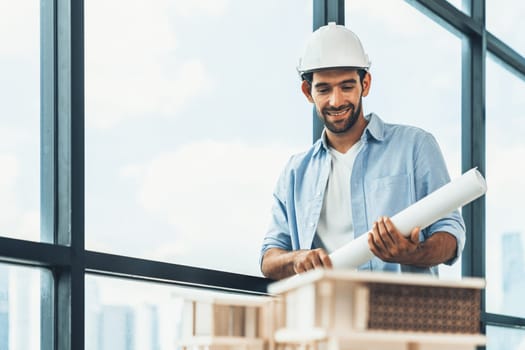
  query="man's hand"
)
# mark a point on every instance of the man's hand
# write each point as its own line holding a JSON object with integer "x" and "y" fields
{"x": 388, "y": 244}
{"x": 278, "y": 263}
{"x": 306, "y": 260}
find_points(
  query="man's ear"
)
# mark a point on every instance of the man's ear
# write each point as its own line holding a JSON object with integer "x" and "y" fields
{"x": 367, "y": 82}
{"x": 306, "y": 87}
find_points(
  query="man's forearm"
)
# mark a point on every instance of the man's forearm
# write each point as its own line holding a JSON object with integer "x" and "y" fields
{"x": 278, "y": 263}
{"x": 435, "y": 250}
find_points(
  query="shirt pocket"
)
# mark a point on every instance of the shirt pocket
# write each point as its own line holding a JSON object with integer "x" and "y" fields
{"x": 387, "y": 196}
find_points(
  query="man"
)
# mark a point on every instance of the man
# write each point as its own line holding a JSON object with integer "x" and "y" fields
{"x": 358, "y": 174}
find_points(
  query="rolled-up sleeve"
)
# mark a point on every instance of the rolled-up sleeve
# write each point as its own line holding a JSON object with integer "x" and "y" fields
{"x": 454, "y": 225}
{"x": 431, "y": 173}
{"x": 278, "y": 233}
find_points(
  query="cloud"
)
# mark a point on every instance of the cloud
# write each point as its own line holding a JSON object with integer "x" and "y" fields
{"x": 218, "y": 197}
{"x": 147, "y": 94}
{"x": 8, "y": 175}
{"x": 19, "y": 29}
{"x": 504, "y": 176}
{"x": 397, "y": 17}
{"x": 197, "y": 8}
{"x": 505, "y": 20}
{"x": 9, "y": 172}
{"x": 15, "y": 221}
{"x": 133, "y": 69}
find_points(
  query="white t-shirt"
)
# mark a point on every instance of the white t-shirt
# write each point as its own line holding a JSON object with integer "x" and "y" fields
{"x": 335, "y": 227}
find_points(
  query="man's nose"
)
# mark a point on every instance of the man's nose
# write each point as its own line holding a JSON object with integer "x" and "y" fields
{"x": 336, "y": 98}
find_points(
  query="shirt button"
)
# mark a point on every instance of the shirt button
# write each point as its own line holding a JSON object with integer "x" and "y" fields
{"x": 312, "y": 224}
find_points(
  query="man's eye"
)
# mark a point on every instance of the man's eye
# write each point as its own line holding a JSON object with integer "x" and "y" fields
{"x": 322, "y": 91}
{"x": 348, "y": 88}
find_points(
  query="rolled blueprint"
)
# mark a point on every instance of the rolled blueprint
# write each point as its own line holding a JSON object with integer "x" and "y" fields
{"x": 423, "y": 213}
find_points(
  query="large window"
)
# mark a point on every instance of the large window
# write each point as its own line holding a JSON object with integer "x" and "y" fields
{"x": 19, "y": 119}
{"x": 505, "y": 249}
{"x": 148, "y": 151}
{"x": 190, "y": 117}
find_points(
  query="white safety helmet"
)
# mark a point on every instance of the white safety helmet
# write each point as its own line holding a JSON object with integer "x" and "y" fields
{"x": 333, "y": 46}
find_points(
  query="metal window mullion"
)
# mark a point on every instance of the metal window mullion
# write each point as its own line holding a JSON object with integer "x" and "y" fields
{"x": 325, "y": 11}
{"x": 473, "y": 142}
{"x": 48, "y": 189}
{"x": 136, "y": 268}
{"x": 499, "y": 320}
{"x": 47, "y": 121}
{"x": 328, "y": 11}
{"x": 508, "y": 56}
{"x": 69, "y": 280}
{"x": 447, "y": 15}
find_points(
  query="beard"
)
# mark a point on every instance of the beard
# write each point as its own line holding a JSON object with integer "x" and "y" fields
{"x": 346, "y": 124}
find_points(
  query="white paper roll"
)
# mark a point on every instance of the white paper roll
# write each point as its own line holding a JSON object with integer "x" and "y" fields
{"x": 423, "y": 213}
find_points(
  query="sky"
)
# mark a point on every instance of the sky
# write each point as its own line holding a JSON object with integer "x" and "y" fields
{"x": 194, "y": 107}
{"x": 19, "y": 124}
{"x": 202, "y": 134}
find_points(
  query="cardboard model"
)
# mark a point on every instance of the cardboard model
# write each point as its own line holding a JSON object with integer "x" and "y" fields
{"x": 227, "y": 321}
{"x": 350, "y": 310}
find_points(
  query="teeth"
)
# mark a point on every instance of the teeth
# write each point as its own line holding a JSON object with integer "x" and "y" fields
{"x": 338, "y": 113}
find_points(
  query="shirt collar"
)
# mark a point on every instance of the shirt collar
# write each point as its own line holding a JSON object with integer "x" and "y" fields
{"x": 375, "y": 129}
{"x": 321, "y": 143}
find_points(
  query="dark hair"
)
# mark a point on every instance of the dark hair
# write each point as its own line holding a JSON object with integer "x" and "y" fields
{"x": 361, "y": 73}
{"x": 310, "y": 76}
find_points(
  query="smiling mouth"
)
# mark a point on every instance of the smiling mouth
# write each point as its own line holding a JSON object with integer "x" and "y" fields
{"x": 338, "y": 113}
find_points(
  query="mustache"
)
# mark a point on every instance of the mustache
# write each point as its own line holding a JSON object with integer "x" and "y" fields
{"x": 340, "y": 108}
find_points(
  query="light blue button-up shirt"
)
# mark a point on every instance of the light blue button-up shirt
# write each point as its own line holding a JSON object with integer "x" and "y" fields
{"x": 397, "y": 166}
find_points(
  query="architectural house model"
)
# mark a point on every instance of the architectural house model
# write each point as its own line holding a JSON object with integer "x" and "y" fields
{"x": 227, "y": 321}
{"x": 347, "y": 310}
{"x": 340, "y": 310}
